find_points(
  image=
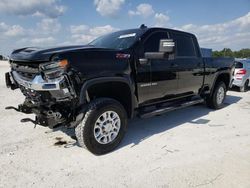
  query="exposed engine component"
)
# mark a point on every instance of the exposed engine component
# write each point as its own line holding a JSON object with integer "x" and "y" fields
{"x": 48, "y": 91}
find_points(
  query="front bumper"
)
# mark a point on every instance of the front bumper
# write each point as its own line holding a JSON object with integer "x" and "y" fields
{"x": 38, "y": 83}
{"x": 50, "y": 101}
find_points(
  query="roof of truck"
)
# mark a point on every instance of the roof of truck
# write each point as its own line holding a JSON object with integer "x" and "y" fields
{"x": 145, "y": 28}
{"x": 169, "y": 29}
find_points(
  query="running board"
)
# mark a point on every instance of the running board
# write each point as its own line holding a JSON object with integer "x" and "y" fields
{"x": 162, "y": 110}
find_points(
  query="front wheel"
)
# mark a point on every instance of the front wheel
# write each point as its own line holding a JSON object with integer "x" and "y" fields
{"x": 103, "y": 126}
{"x": 216, "y": 99}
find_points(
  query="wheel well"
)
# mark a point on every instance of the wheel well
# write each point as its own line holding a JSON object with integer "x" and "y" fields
{"x": 247, "y": 81}
{"x": 225, "y": 78}
{"x": 117, "y": 90}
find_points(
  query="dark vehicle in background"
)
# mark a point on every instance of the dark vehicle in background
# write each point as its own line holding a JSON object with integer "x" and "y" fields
{"x": 95, "y": 88}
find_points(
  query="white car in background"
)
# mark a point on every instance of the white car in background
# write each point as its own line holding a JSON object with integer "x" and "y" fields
{"x": 242, "y": 74}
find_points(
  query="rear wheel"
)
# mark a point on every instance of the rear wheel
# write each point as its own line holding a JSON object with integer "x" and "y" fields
{"x": 245, "y": 87}
{"x": 216, "y": 99}
{"x": 103, "y": 126}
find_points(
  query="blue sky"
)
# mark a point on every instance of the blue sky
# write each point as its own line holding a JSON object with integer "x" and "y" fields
{"x": 217, "y": 23}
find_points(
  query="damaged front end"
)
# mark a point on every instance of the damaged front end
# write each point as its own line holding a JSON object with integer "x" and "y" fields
{"x": 49, "y": 91}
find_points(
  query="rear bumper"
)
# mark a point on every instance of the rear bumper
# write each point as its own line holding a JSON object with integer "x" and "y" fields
{"x": 238, "y": 82}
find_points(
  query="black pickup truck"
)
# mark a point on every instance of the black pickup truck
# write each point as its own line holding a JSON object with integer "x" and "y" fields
{"x": 95, "y": 88}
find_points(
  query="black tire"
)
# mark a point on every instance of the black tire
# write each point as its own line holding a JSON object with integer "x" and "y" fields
{"x": 212, "y": 101}
{"x": 85, "y": 130}
{"x": 245, "y": 87}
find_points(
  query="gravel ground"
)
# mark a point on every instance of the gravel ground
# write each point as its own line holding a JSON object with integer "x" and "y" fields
{"x": 192, "y": 147}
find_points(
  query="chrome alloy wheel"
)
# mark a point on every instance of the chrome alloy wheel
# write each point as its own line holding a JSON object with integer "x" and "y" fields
{"x": 220, "y": 95}
{"x": 107, "y": 127}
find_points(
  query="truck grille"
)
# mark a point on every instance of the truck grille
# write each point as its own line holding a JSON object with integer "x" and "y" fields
{"x": 25, "y": 70}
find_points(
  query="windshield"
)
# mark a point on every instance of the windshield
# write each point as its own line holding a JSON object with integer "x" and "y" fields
{"x": 118, "y": 40}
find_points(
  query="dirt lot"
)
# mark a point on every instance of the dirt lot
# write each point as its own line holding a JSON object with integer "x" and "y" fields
{"x": 192, "y": 147}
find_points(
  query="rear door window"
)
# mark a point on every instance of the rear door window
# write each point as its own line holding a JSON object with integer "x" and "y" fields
{"x": 184, "y": 45}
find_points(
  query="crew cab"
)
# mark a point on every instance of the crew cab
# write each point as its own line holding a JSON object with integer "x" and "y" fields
{"x": 95, "y": 88}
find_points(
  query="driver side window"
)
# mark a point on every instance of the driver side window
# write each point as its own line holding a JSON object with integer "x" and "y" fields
{"x": 152, "y": 43}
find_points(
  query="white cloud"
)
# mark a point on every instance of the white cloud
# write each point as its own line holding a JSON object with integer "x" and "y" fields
{"x": 11, "y": 30}
{"x": 75, "y": 29}
{"x": 144, "y": 10}
{"x": 36, "y": 41}
{"x": 108, "y": 8}
{"x": 233, "y": 34}
{"x": 43, "y": 41}
{"x": 101, "y": 30}
{"x": 161, "y": 20}
{"x": 15, "y": 30}
{"x": 83, "y": 39}
{"x": 15, "y": 36}
{"x": 83, "y": 34}
{"x": 49, "y": 8}
{"x": 243, "y": 22}
{"x": 3, "y": 26}
{"x": 48, "y": 26}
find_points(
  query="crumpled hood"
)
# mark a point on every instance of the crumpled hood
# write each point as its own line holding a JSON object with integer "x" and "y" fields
{"x": 40, "y": 54}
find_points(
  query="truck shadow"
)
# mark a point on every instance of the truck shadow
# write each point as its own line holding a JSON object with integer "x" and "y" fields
{"x": 141, "y": 129}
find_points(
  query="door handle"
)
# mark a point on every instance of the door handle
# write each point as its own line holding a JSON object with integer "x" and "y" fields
{"x": 143, "y": 61}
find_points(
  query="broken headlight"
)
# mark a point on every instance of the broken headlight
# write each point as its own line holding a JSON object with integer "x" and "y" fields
{"x": 54, "y": 69}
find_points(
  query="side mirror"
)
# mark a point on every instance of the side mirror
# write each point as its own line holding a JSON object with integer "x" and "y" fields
{"x": 151, "y": 55}
{"x": 155, "y": 55}
{"x": 167, "y": 46}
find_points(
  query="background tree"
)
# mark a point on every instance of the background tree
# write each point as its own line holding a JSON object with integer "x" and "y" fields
{"x": 227, "y": 52}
